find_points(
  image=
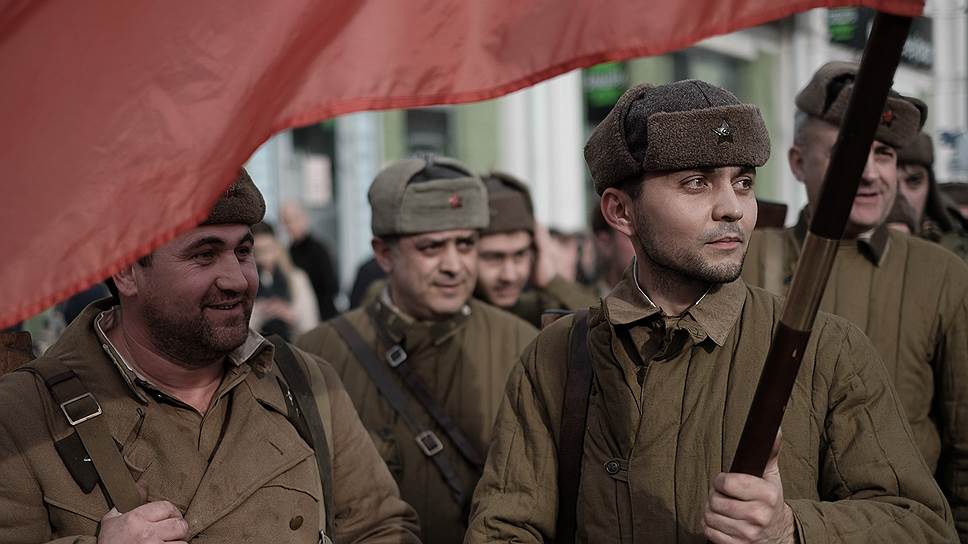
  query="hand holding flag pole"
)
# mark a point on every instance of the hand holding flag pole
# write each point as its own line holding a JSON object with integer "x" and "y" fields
{"x": 874, "y": 78}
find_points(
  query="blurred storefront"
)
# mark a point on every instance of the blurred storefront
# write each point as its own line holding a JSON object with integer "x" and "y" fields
{"x": 538, "y": 133}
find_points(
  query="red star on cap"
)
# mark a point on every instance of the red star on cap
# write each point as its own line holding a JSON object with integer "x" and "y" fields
{"x": 455, "y": 201}
{"x": 887, "y": 117}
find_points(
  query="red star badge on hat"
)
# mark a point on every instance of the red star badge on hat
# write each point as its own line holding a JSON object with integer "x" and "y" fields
{"x": 887, "y": 117}
{"x": 455, "y": 201}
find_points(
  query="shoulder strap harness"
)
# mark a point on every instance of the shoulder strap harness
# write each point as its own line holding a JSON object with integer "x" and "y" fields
{"x": 297, "y": 388}
{"x": 381, "y": 372}
{"x": 571, "y": 438}
{"x": 84, "y": 414}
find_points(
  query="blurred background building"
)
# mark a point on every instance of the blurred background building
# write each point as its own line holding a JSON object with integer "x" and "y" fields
{"x": 538, "y": 133}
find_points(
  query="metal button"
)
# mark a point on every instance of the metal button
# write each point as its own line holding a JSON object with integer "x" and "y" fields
{"x": 295, "y": 522}
{"x": 612, "y": 467}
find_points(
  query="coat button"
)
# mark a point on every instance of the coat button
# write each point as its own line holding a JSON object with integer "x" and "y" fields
{"x": 295, "y": 522}
{"x": 612, "y": 467}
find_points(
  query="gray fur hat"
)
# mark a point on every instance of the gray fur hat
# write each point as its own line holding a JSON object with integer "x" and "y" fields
{"x": 682, "y": 125}
{"x": 427, "y": 194}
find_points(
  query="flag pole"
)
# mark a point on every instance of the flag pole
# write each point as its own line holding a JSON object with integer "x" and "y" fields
{"x": 874, "y": 77}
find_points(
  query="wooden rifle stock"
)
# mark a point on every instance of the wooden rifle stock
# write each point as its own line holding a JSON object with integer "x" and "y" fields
{"x": 871, "y": 87}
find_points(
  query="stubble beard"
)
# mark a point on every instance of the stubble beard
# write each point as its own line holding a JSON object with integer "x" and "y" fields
{"x": 195, "y": 341}
{"x": 679, "y": 264}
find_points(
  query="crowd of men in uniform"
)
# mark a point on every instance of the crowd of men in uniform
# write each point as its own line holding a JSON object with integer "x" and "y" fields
{"x": 437, "y": 412}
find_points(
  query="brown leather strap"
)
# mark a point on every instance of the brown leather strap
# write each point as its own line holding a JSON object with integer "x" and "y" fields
{"x": 457, "y": 437}
{"x": 383, "y": 378}
{"x": 396, "y": 357}
{"x": 84, "y": 414}
{"x": 571, "y": 439}
{"x": 308, "y": 410}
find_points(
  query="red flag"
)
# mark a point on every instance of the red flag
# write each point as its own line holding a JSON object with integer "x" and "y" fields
{"x": 121, "y": 122}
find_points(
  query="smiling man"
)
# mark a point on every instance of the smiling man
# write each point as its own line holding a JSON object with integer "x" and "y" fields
{"x": 165, "y": 398}
{"x": 674, "y": 352}
{"x": 909, "y": 296}
{"x": 516, "y": 270}
{"x": 424, "y": 362}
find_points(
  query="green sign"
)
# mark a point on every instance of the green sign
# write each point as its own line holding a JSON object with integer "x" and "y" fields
{"x": 604, "y": 84}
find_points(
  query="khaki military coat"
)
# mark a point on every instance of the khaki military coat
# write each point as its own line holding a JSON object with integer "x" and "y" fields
{"x": 559, "y": 294}
{"x": 658, "y": 432}
{"x": 239, "y": 473}
{"x": 955, "y": 237}
{"x": 911, "y": 299}
{"x": 464, "y": 363}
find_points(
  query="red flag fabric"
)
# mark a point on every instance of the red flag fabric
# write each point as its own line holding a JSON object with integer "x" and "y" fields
{"x": 123, "y": 121}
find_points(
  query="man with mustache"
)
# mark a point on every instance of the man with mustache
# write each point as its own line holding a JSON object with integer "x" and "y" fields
{"x": 908, "y": 295}
{"x": 163, "y": 397}
{"x": 513, "y": 252}
{"x": 674, "y": 353}
{"x": 424, "y": 362}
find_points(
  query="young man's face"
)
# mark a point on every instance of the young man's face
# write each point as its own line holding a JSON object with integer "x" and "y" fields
{"x": 913, "y": 183}
{"x": 878, "y": 183}
{"x": 504, "y": 266}
{"x": 431, "y": 275}
{"x": 696, "y": 222}
{"x": 195, "y": 296}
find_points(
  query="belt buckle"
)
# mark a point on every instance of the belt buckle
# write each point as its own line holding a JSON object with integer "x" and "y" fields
{"x": 396, "y": 356}
{"x": 75, "y": 422}
{"x": 429, "y": 443}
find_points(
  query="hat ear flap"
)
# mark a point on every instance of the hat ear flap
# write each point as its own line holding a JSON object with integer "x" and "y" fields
{"x": 922, "y": 109}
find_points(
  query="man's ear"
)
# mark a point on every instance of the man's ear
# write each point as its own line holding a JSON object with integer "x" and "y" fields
{"x": 124, "y": 280}
{"x": 795, "y": 158}
{"x": 617, "y": 210}
{"x": 381, "y": 252}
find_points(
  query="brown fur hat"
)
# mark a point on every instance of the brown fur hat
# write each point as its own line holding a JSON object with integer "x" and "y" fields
{"x": 920, "y": 151}
{"x": 682, "y": 125}
{"x": 828, "y": 92}
{"x": 903, "y": 212}
{"x": 510, "y": 204}
{"x": 426, "y": 194}
{"x": 242, "y": 203}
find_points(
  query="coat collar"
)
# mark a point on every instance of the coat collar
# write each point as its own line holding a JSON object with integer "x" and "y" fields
{"x": 252, "y": 352}
{"x": 712, "y": 316}
{"x": 85, "y": 348}
{"x": 872, "y": 244}
{"x": 398, "y": 325}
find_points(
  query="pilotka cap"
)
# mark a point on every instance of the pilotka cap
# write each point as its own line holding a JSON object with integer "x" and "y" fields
{"x": 828, "y": 92}
{"x": 426, "y": 194}
{"x": 682, "y": 125}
